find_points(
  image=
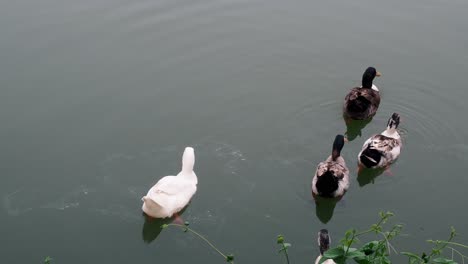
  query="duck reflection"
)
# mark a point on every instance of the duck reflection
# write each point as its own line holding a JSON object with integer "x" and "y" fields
{"x": 324, "y": 208}
{"x": 354, "y": 127}
{"x": 366, "y": 176}
{"x": 152, "y": 226}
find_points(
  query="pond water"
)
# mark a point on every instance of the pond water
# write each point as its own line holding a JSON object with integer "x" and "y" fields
{"x": 99, "y": 99}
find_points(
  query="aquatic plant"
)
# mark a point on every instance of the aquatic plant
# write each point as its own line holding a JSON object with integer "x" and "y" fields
{"x": 284, "y": 247}
{"x": 372, "y": 252}
{"x": 378, "y": 251}
{"x": 228, "y": 257}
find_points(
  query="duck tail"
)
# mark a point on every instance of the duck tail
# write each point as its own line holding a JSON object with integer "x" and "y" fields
{"x": 188, "y": 160}
{"x": 370, "y": 157}
{"x": 358, "y": 105}
{"x": 150, "y": 206}
{"x": 326, "y": 184}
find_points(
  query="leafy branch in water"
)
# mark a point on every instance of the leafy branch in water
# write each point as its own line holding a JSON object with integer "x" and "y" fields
{"x": 284, "y": 247}
{"x": 47, "y": 260}
{"x": 228, "y": 257}
{"x": 375, "y": 251}
{"x": 436, "y": 251}
{"x": 378, "y": 251}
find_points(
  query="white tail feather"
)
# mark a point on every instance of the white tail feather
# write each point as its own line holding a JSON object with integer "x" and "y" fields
{"x": 188, "y": 160}
{"x": 150, "y": 206}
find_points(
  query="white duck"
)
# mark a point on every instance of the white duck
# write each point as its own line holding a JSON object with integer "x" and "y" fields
{"x": 379, "y": 151}
{"x": 172, "y": 193}
{"x": 324, "y": 242}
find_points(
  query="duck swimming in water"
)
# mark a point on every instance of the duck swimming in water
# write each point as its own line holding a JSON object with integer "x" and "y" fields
{"x": 362, "y": 102}
{"x": 324, "y": 242}
{"x": 331, "y": 178}
{"x": 172, "y": 193}
{"x": 379, "y": 151}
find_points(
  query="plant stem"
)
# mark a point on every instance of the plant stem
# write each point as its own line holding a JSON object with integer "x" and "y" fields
{"x": 454, "y": 243}
{"x": 382, "y": 219}
{"x": 459, "y": 253}
{"x": 201, "y": 237}
{"x": 285, "y": 249}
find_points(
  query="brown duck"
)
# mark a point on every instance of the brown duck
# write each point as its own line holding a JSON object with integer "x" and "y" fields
{"x": 362, "y": 102}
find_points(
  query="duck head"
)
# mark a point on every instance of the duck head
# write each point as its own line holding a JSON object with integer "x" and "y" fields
{"x": 368, "y": 77}
{"x": 393, "y": 121}
{"x": 323, "y": 240}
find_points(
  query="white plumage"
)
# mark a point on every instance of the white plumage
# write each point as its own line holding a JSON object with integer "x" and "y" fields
{"x": 172, "y": 193}
{"x": 379, "y": 151}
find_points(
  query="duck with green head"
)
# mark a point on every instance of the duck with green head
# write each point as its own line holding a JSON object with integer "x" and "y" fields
{"x": 362, "y": 102}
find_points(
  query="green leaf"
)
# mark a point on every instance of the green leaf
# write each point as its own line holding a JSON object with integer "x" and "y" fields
{"x": 349, "y": 233}
{"x": 339, "y": 260}
{"x": 355, "y": 254}
{"x": 284, "y": 247}
{"x": 424, "y": 257}
{"x": 164, "y": 226}
{"x": 322, "y": 259}
{"x": 385, "y": 260}
{"x": 349, "y": 249}
{"x": 370, "y": 247}
{"x": 444, "y": 261}
{"x": 47, "y": 260}
{"x": 334, "y": 253}
{"x": 230, "y": 258}
{"x": 280, "y": 239}
{"x": 363, "y": 261}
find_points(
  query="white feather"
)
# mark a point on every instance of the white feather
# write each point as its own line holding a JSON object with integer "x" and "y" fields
{"x": 374, "y": 87}
{"x": 172, "y": 193}
{"x": 388, "y": 156}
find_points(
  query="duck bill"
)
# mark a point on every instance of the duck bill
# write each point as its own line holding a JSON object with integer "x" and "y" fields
{"x": 378, "y": 74}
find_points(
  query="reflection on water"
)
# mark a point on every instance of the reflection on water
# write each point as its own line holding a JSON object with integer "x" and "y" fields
{"x": 354, "y": 127}
{"x": 324, "y": 208}
{"x": 93, "y": 113}
{"x": 152, "y": 227}
{"x": 367, "y": 176}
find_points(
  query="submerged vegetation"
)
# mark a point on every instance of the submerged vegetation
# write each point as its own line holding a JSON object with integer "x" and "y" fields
{"x": 352, "y": 249}
{"x": 228, "y": 257}
{"x": 48, "y": 260}
{"x": 378, "y": 251}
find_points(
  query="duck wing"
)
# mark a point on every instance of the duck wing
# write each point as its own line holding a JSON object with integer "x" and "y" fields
{"x": 338, "y": 169}
{"x": 384, "y": 143}
{"x": 362, "y": 103}
{"x": 169, "y": 185}
{"x": 387, "y": 147}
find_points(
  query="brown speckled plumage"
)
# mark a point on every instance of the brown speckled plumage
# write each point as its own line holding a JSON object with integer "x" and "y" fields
{"x": 365, "y": 102}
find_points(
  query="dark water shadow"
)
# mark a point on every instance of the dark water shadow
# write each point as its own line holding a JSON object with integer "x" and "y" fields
{"x": 367, "y": 176}
{"x": 152, "y": 226}
{"x": 354, "y": 127}
{"x": 324, "y": 208}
